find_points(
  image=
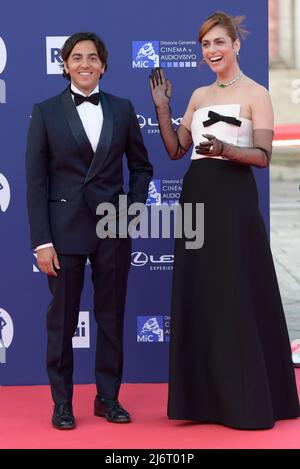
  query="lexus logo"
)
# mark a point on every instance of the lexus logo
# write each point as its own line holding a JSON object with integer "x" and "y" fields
{"x": 139, "y": 259}
{"x": 142, "y": 120}
{"x": 148, "y": 121}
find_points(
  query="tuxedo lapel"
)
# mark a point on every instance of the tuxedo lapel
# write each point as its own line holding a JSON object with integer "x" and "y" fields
{"x": 104, "y": 140}
{"x": 76, "y": 126}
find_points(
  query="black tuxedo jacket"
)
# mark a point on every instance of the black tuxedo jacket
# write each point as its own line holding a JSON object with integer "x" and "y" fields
{"x": 66, "y": 180}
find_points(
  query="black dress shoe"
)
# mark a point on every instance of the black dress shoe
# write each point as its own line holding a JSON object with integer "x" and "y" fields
{"x": 63, "y": 418}
{"x": 111, "y": 410}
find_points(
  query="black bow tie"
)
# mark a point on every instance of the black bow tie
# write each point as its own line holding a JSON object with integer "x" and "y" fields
{"x": 79, "y": 98}
{"x": 215, "y": 117}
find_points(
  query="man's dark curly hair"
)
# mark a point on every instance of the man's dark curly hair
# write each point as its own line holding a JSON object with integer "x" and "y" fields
{"x": 78, "y": 37}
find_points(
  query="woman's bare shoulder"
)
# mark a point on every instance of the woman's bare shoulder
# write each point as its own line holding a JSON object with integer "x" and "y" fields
{"x": 255, "y": 88}
{"x": 259, "y": 102}
{"x": 201, "y": 91}
{"x": 198, "y": 96}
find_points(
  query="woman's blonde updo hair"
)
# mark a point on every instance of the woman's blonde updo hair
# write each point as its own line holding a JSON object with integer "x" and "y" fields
{"x": 232, "y": 24}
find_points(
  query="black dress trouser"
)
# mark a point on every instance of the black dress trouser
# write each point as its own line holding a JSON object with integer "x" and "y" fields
{"x": 110, "y": 265}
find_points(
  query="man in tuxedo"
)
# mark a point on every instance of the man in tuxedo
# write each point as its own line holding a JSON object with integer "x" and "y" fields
{"x": 75, "y": 147}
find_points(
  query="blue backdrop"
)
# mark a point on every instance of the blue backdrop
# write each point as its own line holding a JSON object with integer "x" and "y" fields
{"x": 29, "y": 75}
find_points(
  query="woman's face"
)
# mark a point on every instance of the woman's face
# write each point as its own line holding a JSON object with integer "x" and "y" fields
{"x": 218, "y": 50}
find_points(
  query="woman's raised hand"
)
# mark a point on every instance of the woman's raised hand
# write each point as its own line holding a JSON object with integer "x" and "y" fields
{"x": 161, "y": 88}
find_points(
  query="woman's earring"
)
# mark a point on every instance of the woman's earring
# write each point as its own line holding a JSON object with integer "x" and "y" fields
{"x": 202, "y": 62}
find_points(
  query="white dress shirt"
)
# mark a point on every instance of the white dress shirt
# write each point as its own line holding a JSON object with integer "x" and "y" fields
{"x": 91, "y": 117}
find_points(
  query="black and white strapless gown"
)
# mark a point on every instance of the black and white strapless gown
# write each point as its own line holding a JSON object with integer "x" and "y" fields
{"x": 230, "y": 358}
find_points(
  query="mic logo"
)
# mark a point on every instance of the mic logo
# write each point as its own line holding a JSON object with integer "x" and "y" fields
{"x": 3, "y": 58}
{"x": 4, "y": 193}
{"x": 3, "y": 55}
{"x": 145, "y": 54}
{"x": 6, "y": 333}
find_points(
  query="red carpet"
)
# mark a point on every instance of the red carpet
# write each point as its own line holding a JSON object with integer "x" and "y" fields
{"x": 287, "y": 132}
{"x": 25, "y": 414}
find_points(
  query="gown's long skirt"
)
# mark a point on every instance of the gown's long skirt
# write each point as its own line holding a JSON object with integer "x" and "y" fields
{"x": 230, "y": 358}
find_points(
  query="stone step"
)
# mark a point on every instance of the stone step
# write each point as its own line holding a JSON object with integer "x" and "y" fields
{"x": 284, "y": 85}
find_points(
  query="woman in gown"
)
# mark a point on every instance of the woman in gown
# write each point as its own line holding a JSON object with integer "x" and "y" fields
{"x": 230, "y": 358}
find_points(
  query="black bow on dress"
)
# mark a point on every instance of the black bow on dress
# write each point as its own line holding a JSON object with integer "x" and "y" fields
{"x": 214, "y": 117}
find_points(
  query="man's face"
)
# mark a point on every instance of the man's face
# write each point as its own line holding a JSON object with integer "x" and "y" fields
{"x": 84, "y": 66}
